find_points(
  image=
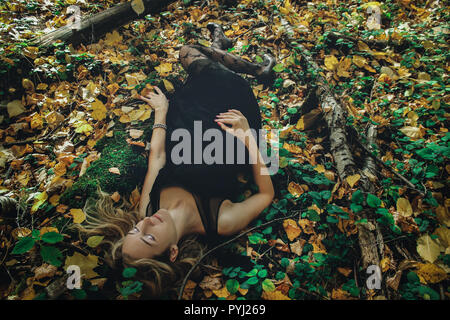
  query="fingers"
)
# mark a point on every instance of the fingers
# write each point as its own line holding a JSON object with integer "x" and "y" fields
{"x": 226, "y": 120}
{"x": 158, "y": 89}
{"x": 235, "y": 111}
{"x": 224, "y": 127}
{"x": 145, "y": 99}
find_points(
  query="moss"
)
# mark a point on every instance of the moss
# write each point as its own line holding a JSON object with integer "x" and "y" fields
{"x": 115, "y": 152}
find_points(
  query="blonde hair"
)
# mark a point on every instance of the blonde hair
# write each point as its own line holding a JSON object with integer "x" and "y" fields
{"x": 159, "y": 274}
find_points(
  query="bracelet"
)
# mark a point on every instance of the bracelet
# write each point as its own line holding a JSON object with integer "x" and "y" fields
{"x": 159, "y": 125}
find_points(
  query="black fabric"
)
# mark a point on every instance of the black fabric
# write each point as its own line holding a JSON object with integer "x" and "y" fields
{"x": 209, "y": 90}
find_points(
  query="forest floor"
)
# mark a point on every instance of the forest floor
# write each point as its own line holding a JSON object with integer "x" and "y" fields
{"x": 67, "y": 118}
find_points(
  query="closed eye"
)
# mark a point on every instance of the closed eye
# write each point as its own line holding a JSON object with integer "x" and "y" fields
{"x": 134, "y": 230}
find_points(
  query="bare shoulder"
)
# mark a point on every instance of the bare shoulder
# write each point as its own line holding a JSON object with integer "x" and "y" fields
{"x": 225, "y": 216}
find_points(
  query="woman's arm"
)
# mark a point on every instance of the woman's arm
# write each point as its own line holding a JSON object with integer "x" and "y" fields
{"x": 157, "y": 156}
{"x": 234, "y": 217}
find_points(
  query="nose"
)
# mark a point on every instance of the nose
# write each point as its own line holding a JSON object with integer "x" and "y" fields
{"x": 148, "y": 221}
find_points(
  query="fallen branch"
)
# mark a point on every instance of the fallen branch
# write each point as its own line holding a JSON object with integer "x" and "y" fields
{"x": 381, "y": 44}
{"x": 93, "y": 27}
{"x": 335, "y": 117}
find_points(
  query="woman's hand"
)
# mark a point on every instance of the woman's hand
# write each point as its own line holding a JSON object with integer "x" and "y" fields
{"x": 239, "y": 124}
{"x": 157, "y": 101}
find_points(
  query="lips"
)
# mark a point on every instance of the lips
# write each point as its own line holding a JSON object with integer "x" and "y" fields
{"x": 158, "y": 217}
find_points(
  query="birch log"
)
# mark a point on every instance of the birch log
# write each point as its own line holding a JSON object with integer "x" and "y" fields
{"x": 93, "y": 27}
{"x": 335, "y": 117}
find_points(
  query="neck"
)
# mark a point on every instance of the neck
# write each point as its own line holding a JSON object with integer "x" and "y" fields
{"x": 185, "y": 218}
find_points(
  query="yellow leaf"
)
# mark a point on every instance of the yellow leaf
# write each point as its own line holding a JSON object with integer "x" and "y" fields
{"x": 331, "y": 63}
{"x": 85, "y": 263}
{"x": 274, "y": 295}
{"x": 168, "y": 85}
{"x": 427, "y": 248}
{"x": 15, "y": 108}
{"x": 344, "y": 65}
{"x": 98, "y": 110}
{"x": 295, "y": 189}
{"x": 443, "y": 216}
{"x": 83, "y": 127}
{"x": 27, "y": 84}
{"x": 94, "y": 241}
{"x": 384, "y": 264}
{"x": 431, "y": 273}
{"x": 320, "y": 168}
{"x": 164, "y": 68}
{"x": 359, "y": 61}
{"x": 78, "y": 215}
{"x": 404, "y": 207}
{"x": 300, "y": 124}
{"x": 138, "y": 6}
{"x": 20, "y": 232}
{"x": 48, "y": 229}
{"x": 363, "y": 47}
{"x": 113, "y": 38}
{"x": 38, "y": 201}
{"x": 412, "y": 132}
{"x": 352, "y": 180}
{"x": 444, "y": 235}
{"x": 60, "y": 169}
{"x": 222, "y": 293}
{"x": 291, "y": 228}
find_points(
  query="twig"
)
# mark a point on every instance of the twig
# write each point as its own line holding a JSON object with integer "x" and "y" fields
{"x": 180, "y": 292}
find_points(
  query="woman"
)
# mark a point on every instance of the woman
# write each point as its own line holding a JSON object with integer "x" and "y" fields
{"x": 178, "y": 200}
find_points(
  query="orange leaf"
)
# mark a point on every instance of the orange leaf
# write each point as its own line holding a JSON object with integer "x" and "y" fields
{"x": 291, "y": 228}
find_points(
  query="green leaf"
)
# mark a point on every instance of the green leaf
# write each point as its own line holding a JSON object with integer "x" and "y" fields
{"x": 23, "y": 245}
{"x": 373, "y": 201}
{"x": 278, "y": 67}
{"x": 262, "y": 273}
{"x": 129, "y": 272}
{"x": 258, "y": 59}
{"x": 232, "y": 286}
{"x": 357, "y": 197}
{"x": 78, "y": 294}
{"x": 94, "y": 241}
{"x": 52, "y": 237}
{"x": 134, "y": 287}
{"x": 252, "y": 280}
{"x": 252, "y": 273}
{"x": 268, "y": 285}
{"x": 292, "y": 110}
{"x": 51, "y": 255}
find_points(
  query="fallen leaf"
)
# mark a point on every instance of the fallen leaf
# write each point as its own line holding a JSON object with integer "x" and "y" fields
{"x": 85, "y": 263}
{"x": 274, "y": 295}
{"x": 352, "y": 180}
{"x": 430, "y": 273}
{"x": 78, "y": 215}
{"x": 427, "y": 248}
{"x": 295, "y": 189}
{"x": 114, "y": 170}
{"x": 94, "y": 241}
{"x": 331, "y": 62}
{"x": 115, "y": 196}
{"x": 404, "y": 207}
{"x": 135, "y": 133}
{"x": 15, "y": 108}
{"x": 291, "y": 228}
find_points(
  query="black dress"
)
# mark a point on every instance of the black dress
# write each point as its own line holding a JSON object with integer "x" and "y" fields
{"x": 204, "y": 95}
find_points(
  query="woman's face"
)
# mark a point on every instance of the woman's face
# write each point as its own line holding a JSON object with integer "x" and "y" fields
{"x": 151, "y": 237}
